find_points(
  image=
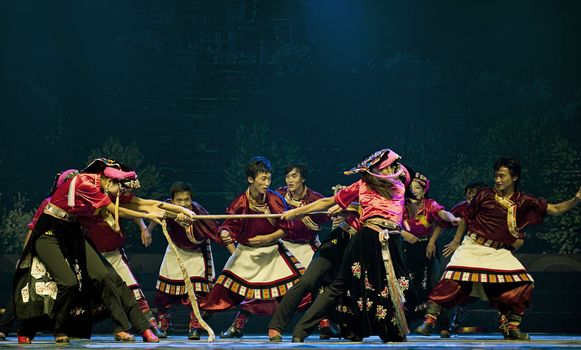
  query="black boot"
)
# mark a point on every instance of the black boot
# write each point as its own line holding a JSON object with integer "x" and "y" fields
{"x": 430, "y": 319}
{"x": 510, "y": 326}
{"x": 194, "y": 334}
{"x": 328, "y": 330}
{"x": 235, "y": 330}
{"x": 232, "y": 332}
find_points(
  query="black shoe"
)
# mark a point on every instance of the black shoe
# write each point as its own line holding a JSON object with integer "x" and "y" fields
{"x": 194, "y": 334}
{"x": 156, "y": 330}
{"x": 516, "y": 334}
{"x": 62, "y": 340}
{"x": 232, "y": 332}
{"x": 298, "y": 340}
{"x": 330, "y": 331}
{"x": 424, "y": 329}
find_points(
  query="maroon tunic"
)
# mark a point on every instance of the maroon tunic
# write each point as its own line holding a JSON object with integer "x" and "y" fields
{"x": 421, "y": 225}
{"x": 88, "y": 195}
{"x": 202, "y": 230}
{"x": 459, "y": 210}
{"x": 299, "y": 231}
{"x": 103, "y": 236}
{"x": 486, "y": 217}
{"x": 244, "y": 229}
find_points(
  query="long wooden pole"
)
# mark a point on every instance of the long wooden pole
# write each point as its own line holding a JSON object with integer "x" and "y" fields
{"x": 246, "y": 216}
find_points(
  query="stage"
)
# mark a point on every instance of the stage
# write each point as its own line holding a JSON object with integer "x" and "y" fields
{"x": 475, "y": 341}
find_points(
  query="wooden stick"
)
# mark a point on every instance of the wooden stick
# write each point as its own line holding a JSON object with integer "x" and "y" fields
{"x": 246, "y": 216}
{"x": 189, "y": 286}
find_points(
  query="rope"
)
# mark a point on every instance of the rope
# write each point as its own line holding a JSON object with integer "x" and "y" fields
{"x": 189, "y": 286}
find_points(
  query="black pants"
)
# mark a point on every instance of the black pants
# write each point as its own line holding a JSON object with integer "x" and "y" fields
{"x": 129, "y": 305}
{"x": 327, "y": 258}
{"x": 317, "y": 311}
{"x": 101, "y": 279}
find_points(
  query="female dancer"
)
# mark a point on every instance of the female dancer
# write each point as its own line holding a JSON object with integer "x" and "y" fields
{"x": 372, "y": 270}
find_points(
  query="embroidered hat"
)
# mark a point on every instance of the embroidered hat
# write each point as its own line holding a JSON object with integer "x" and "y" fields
{"x": 423, "y": 181}
{"x": 114, "y": 170}
{"x": 388, "y": 156}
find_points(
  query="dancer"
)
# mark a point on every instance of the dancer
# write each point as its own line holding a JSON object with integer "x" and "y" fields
{"x": 59, "y": 269}
{"x": 261, "y": 269}
{"x": 9, "y": 315}
{"x": 110, "y": 243}
{"x": 420, "y": 236}
{"x": 484, "y": 264}
{"x": 448, "y": 327}
{"x": 372, "y": 269}
{"x": 193, "y": 244}
{"x": 324, "y": 265}
{"x": 302, "y": 240}
{"x": 459, "y": 210}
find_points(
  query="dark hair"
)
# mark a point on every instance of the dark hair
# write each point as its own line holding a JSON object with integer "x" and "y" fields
{"x": 513, "y": 166}
{"x": 180, "y": 186}
{"x": 381, "y": 187}
{"x": 300, "y": 168}
{"x": 478, "y": 185}
{"x": 258, "y": 165}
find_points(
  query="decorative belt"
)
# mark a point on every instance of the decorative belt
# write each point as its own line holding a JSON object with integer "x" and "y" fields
{"x": 481, "y": 240}
{"x": 57, "y": 212}
{"x": 424, "y": 238}
{"x": 383, "y": 223}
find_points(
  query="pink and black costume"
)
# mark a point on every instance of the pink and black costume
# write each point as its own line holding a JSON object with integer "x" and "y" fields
{"x": 368, "y": 309}
{"x": 424, "y": 272}
{"x": 60, "y": 272}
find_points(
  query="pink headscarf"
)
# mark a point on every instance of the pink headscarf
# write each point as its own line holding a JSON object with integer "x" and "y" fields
{"x": 118, "y": 174}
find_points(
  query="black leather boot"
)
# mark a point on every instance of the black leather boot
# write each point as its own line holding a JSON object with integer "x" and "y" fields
{"x": 510, "y": 326}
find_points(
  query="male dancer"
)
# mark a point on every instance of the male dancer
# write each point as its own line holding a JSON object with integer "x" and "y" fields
{"x": 302, "y": 239}
{"x": 261, "y": 269}
{"x": 484, "y": 263}
{"x": 193, "y": 245}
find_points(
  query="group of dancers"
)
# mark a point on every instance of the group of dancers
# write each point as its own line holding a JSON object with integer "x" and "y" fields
{"x": 375, "y": 273}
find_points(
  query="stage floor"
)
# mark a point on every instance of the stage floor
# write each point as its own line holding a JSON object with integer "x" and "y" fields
{"x": 477, "y": 341}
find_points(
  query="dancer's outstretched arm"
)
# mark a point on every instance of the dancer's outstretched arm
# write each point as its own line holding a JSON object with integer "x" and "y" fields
{"x": 447, "y": 216}
{"x": 563, "y": 207}
{"x": 163, "y": 205}
{"x": 318, "y": 205}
